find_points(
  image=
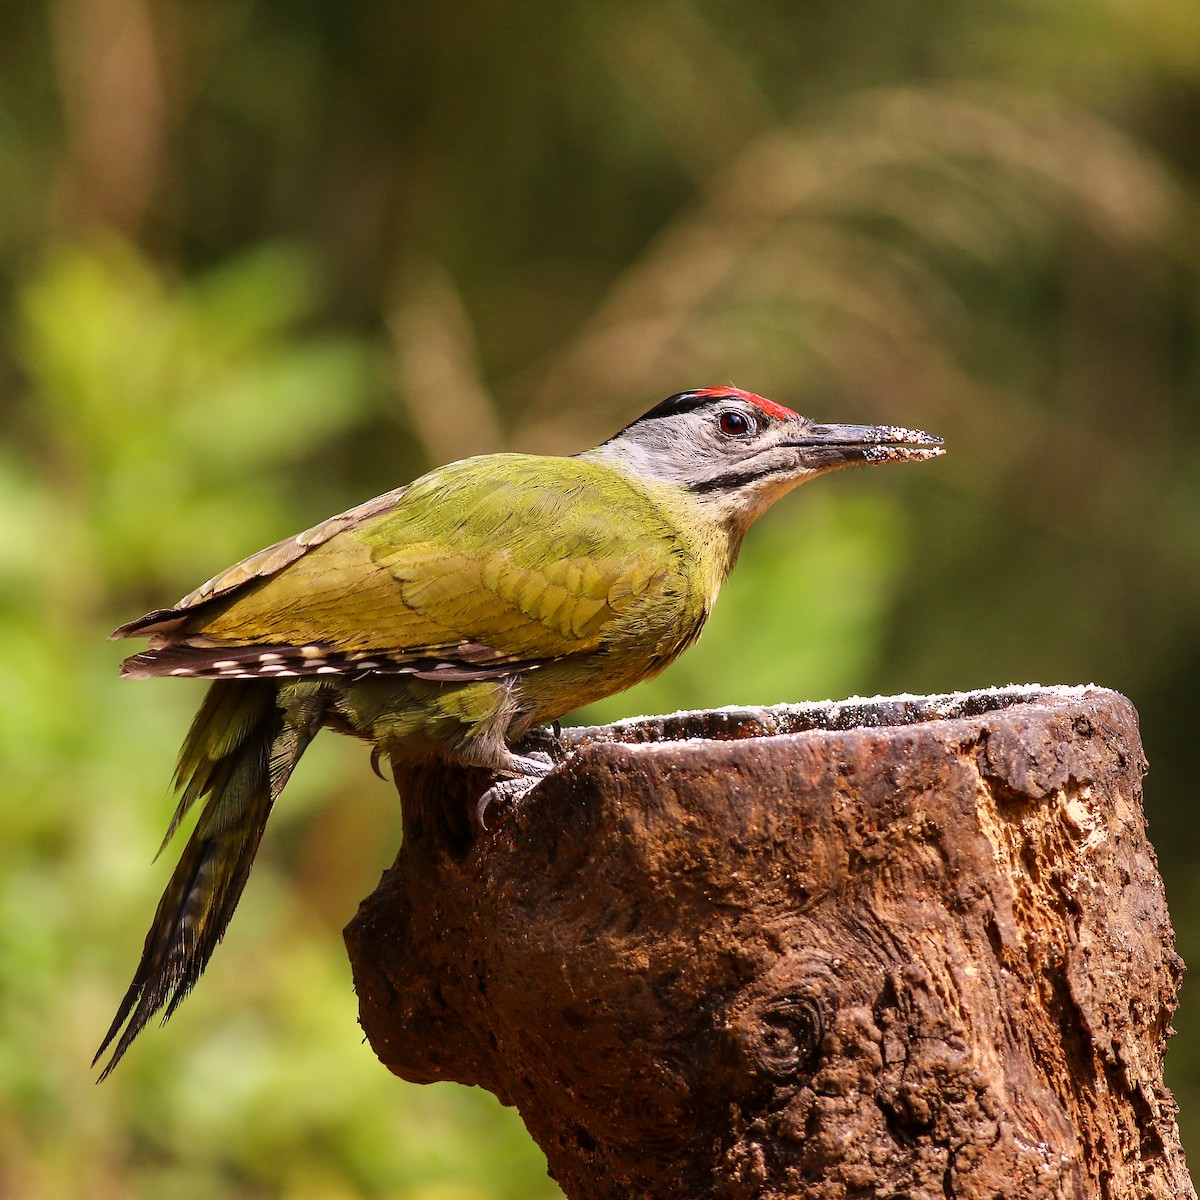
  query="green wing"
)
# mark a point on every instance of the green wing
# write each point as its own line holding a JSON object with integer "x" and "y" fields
{"x": 492, "y": 564}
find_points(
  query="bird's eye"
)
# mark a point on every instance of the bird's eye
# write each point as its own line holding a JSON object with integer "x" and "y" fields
{"x": 735, "y": 424}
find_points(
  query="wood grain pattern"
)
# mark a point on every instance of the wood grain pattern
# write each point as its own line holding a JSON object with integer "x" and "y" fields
{"x": 910, "y": 948}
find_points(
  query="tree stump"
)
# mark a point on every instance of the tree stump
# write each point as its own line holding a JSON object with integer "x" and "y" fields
{"x": 909, "y": 947}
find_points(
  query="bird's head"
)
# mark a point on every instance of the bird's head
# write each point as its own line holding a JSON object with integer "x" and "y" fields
{"x": 737, "y": 453}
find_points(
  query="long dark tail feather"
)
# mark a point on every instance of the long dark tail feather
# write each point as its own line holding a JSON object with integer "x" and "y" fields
{"x": 239, "y": 752}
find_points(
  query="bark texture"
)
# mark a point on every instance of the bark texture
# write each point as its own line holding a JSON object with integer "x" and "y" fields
{"x": 909, "y": 947}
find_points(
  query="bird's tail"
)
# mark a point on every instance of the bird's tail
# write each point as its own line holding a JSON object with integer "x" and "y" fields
{"x": 239, "y": 753}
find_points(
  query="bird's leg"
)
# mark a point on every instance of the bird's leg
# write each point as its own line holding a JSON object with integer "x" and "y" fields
{"x": 544, "y": 738}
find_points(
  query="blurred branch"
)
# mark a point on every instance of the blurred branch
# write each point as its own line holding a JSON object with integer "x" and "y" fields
{"x": 438, "y": 374}
{"x": 114, "y": 106}
{"x": 688, "y": 80}
{"x": 1030, "y": 163}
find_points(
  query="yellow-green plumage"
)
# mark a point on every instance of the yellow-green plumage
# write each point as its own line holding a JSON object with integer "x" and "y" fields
{"x": 515, "y": 555}
{"x": 446, "y": 620}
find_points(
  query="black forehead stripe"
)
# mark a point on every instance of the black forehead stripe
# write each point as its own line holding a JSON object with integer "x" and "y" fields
{"x": 673, "y": 406}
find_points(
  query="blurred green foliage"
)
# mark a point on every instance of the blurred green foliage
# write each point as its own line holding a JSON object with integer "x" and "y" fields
{"x": 262, "y": 260}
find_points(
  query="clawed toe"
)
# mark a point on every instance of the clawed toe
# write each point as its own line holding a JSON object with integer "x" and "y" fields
{"x": 504, "y": 792}
{"x": 529, "y": 770}
{"x": 537, "y": 764}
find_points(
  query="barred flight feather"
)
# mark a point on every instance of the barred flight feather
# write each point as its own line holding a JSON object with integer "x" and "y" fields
{"x": 466, "y": 662}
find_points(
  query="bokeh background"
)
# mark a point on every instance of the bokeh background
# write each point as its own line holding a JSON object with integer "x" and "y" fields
{"x": 262, "y": 259}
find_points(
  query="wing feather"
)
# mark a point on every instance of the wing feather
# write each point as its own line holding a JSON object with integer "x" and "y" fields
{"x": 515, "y": 556}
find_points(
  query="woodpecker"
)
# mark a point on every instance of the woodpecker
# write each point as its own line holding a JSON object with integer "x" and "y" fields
{"x": 449, "y": 618}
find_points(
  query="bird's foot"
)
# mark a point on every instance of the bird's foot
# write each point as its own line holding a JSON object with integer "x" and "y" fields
{"x": 533, "y": 768}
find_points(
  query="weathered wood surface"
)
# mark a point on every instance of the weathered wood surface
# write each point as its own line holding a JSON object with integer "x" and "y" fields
{"x": 914, "y": 947}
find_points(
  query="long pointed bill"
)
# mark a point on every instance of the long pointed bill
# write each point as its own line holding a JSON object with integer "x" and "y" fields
{"x": 829, "y": 447}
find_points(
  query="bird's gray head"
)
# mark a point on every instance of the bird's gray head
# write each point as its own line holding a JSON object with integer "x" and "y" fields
{"x": 739, "y": 452}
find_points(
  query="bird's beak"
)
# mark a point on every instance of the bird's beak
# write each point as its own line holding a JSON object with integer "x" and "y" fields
{"x": 831, "y": 447}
